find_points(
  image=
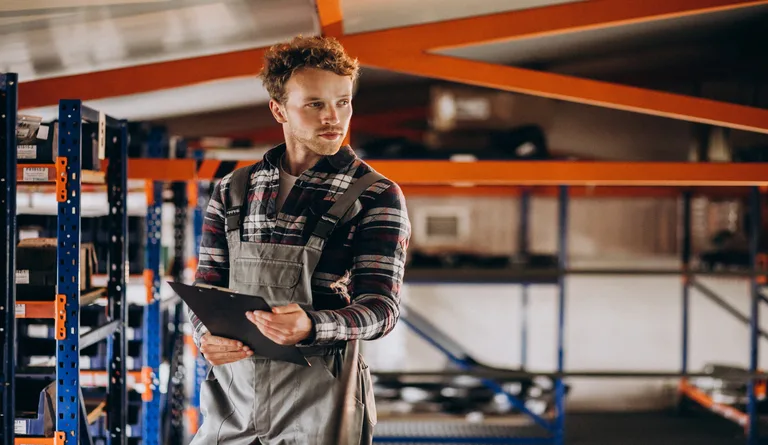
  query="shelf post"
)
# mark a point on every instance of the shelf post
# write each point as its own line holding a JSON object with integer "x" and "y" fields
{"x": 68, "y": 256}
{"x": 8, "y": 103}
{"x": 117, "y": 344}
{"x": 562, "y": 266}
{"x": 755, "y": 208}
{"x": 525, "y": 204}
{"x": 151, "y": 419}
{"x": 686, "y": 266}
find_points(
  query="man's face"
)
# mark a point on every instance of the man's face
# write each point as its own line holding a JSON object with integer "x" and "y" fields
{"x": 317, "y": 110}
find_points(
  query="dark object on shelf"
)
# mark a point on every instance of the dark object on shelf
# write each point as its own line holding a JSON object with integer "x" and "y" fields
{"x": 42, "y": 146}
{"x": 35, "y": 406}
{"x": 36, "y": 268}
{"x": 452, "y": 259}
{"x": 750, "y": 154}
{"x": 522, "y": 143}
{"x": 730, "y": 251}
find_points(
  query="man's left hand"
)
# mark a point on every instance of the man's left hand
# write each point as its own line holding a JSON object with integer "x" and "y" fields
{"x": 285, "y": 325}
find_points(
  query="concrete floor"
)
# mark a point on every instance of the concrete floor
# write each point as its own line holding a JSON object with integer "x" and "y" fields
{"x": 657, "y": 428}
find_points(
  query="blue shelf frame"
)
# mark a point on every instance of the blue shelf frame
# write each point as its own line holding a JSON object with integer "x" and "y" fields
{"x": 70, "y": 422}
{"x": 555, "y": 427}
{"x": 9, "y": 96}
{"x": 201, "y": 367}
{"x": 151, "y": 420}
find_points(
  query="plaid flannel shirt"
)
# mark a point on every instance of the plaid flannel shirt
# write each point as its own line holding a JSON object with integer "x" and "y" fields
{"x": 356, "y": 284}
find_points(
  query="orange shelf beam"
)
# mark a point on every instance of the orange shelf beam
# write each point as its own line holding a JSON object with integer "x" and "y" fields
{"x": 35, "y": 309}
{"x": 574, "y": 89}
{"x": 30, "y": 174}
{"x": 331, "y": 17}
{"x": 59, "y": 439}
{"x": 573, "y": 191}
{"x": 706, "y": 401}
{"x": 572, "y": 173}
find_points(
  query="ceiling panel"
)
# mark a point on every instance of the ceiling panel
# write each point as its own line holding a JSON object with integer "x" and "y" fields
{"x": 27, "y": 5}
{"x": 371, "y": 15}
{"x": 211, "y": 96}
{"x": 57, "y": 42}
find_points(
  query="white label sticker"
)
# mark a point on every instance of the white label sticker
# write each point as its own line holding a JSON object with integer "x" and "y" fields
{"x": 22, "y": 277}
{"x": 20, "y": 427}
{"x": 33, "y": 174}
{"x": 26, "y": 151}
{"x": 42, "y": 132}
{"x": 21, "y": 310}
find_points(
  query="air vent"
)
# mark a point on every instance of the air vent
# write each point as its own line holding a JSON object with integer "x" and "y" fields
{"x": 441, "y": 224}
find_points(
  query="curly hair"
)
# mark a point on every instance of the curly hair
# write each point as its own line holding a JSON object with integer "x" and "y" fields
{"x": 283, "y": 59}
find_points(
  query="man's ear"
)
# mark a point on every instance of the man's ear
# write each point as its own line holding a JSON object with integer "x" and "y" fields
{"x": 277, "y": 111}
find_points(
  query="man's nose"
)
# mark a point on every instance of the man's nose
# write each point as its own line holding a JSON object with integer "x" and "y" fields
{"x": 331, "y": 116}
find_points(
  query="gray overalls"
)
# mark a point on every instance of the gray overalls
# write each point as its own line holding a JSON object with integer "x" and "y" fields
{"x": 262, "y": 401}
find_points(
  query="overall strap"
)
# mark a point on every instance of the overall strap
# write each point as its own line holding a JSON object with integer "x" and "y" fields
{"x": 328, "y": 221}
{"x": 238, "y": 190}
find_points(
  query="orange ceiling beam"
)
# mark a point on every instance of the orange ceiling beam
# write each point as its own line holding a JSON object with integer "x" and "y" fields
{"x": 331, "y": 17}
{"x": 578, "y": 191}
{"x": 537, "y": 22}
{"x": 574, "y": 89}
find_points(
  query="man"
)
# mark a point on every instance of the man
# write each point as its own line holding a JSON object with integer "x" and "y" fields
{"x": 323, "y": 238}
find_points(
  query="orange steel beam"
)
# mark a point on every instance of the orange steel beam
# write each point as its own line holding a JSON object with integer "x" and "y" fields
{"x": 591, "y": 92}
{"x": 574, "y": 191}
{"x": 536, "y": 22}
{"x": 572, "y": 173}
{"x": 331, "y": 17}
{"x": 706, "y": 401}
{"x": 161, "y": 169}
{"x": 514, "y": 173}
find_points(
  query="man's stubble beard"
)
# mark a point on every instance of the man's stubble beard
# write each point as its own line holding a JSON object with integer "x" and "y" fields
{"x": 317, "y": 145}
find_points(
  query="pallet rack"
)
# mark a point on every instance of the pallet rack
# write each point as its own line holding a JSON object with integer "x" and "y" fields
{"x": 71, "y": 424}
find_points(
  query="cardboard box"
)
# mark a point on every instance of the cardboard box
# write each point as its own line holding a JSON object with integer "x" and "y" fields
{"x": 41, "y": 145}
{"x": 36, "y": 268}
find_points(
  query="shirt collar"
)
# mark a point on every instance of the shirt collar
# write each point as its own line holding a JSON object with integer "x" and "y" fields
{"x": 337, "y": 162}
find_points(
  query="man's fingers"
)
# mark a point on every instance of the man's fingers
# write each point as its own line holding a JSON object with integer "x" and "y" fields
{"x": 222, "y": 358}
{"x": 293, "y": 307}
{"x": 221, "y": 348}
{"x": 214, "y": 340}
{"x": 273, "y": 334}
{"x": 274, "y": 326}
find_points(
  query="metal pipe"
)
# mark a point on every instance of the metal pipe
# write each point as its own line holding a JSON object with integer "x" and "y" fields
{"x": 525, "y": 201}
{"x": 686, "y": 263}
{"x": 562, "y": 264}
{"x": 753, "y": 435}
{"x": 707, "y": 292}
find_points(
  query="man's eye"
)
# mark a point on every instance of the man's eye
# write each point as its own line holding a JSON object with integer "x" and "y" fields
{"x": 315, "y": 104}
{"x": 344, "y": 102}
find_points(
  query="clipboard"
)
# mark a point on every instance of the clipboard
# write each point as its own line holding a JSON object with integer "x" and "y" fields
{"x": 222, "y": 311}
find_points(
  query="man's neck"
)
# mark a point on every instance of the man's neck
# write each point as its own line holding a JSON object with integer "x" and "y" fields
{"x": 298, "y": 160}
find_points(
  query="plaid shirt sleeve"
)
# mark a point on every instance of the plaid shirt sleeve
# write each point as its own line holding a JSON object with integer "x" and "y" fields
{"x": 379, "y": 249}
{"x": 213, "y": 263}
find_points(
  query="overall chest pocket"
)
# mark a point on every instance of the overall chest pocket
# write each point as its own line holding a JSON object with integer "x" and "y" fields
{"x": 267, "y": 272}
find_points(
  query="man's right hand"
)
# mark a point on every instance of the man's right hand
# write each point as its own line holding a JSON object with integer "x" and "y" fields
{"x": 221, "y": 351}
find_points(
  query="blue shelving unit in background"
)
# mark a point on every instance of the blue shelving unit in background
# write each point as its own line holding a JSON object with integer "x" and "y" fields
{"x": 8, "y": 104}
{"x": 69, "y": 414}
{"x": 151, "y": 418}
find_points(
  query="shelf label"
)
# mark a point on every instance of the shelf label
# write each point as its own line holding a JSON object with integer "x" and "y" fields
{"x": 26, "y": 152}
{"x": 20, "y": 427}
{"x": 22, "y": 277}
{"x": 35, "y": 174}
{"x": 21, "y": 310}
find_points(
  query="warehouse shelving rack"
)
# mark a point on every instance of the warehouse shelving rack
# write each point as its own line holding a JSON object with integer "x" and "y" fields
{"x": 564, "y": 180}
{"x": 71, "y": 425}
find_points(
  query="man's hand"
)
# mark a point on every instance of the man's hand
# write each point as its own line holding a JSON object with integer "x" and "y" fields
{"x": 221, "y": 351}
{"x": 285, "y": 325}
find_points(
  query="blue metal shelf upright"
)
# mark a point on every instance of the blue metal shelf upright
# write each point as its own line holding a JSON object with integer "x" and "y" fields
{"x": 151, "y": 352}
{"x": 70, "y": 425}
{"x": 8, "y": 103}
